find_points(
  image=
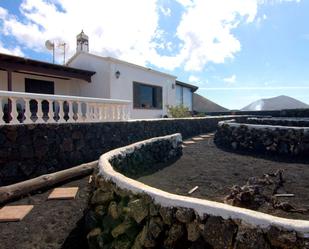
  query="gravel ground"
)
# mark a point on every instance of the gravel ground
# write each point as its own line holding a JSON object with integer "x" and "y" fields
{"x": 51, "y": 224}
{"x": 215, "y": 171}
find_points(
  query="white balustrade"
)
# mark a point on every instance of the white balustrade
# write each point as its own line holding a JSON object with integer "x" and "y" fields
{"x": 27, "y": 108}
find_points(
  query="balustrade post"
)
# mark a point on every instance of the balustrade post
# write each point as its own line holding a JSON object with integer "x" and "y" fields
{"x": 79, "y": 113}
{"x": 128, "y": 112}
{"x": 123, "y": 112}
{"x": 70, "y": 112}
{"x": 104, "y": 112}
{"x": 14, "y": 113}
{"x": 27, "y": 113}
{"x": 51, "y": 112}
{"x": 61, "y": 112}
{"x": 87, "y": 113}
{"x": 113, "y": 111}
{"x": 39, "y": 112}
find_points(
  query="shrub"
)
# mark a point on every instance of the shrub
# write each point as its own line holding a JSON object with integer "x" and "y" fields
{"x": 179, "y": 111}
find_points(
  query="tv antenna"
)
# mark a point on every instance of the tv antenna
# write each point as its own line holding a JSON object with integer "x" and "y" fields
{"x": 65, "y": 46}
{"x": 51, "y": 46}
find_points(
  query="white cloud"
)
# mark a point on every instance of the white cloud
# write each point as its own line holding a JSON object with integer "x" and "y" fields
{"x": 13, "y": 51}
{"x": 193, "y": 79}
{"x": 205, "y": 30}
{"x": 116, "y": 28}
{"x": 130, "y": 30}
{"x": 231, "y": 79}
{"x": 165, "y": 11}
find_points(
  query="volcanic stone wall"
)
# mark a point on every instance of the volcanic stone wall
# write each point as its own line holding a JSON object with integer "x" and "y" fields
{"x": 266, "y": 139}
{"x": 297, "y": 122}
{"x": 125, "y": 215}
{"x": 27, "y": 151}
{"x": 300, "y": 113}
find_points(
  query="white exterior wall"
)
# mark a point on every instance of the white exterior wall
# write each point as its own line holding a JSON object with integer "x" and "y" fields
{"x": 99, "y": 87}
{"x": 104, "y": 83}
{"x": 122, "y": 88}
{"x": 62, "y": 87}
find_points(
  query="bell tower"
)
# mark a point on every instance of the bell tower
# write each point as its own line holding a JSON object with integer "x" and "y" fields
{"x": 82, "y": 42}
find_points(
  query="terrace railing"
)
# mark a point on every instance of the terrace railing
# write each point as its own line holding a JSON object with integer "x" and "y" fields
{"x": 26, "y": 108}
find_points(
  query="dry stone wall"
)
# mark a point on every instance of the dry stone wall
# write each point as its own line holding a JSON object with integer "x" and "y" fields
{"x": 27, "y": 151}
{"x": 265, "y": 139}
{"x": 297, "y": 122}
{"x": 124, "y": 213}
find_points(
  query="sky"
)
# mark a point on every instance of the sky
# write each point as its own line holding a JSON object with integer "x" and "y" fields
{"x": 235, "y": 51}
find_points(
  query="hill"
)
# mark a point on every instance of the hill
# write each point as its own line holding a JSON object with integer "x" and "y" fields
{"x": 276, "y": 103}
{"x": 201, "y": 104}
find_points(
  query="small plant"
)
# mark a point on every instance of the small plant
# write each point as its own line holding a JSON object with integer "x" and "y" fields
{"x": 179, "y": 111}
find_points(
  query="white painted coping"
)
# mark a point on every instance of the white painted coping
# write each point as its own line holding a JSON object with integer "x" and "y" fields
{"x": 262, "y": 126}
{"x": 199, "y": 205}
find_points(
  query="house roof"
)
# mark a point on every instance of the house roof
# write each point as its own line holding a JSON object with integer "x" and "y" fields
{"x": 121, "y": 62}
{"x": 25, "y": 65}
{"x": 192, "y": 87}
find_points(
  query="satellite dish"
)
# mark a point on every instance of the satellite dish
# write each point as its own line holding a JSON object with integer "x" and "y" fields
{"x": 49, "y": 45}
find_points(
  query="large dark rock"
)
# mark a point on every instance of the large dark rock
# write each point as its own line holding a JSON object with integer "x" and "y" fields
{"x": 250, "y": 238}
{"x": 219, "y": 233}
{"x": 282, "y": 239}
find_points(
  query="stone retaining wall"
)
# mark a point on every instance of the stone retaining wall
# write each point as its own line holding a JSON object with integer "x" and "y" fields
{"x": 297, "y": 122}
{"x": 27, "y": 151}
{"x": 124, "y": 213}
{"x": 267, "y": 139}
{"x": 300, "y": 113}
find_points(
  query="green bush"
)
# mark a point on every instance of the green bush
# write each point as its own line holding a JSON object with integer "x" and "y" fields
{"x": 179, "y": 111}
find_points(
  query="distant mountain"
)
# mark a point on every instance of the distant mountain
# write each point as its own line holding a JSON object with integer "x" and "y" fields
{"x": 201, "y": 104}
{"x": 276, "y": 103}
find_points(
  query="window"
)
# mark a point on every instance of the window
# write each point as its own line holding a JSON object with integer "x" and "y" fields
{"x": 179, "y": 95}
{"x": 184, "y": 96}
{"x": 147, "y": 96}
{"x": 39, "y": 86}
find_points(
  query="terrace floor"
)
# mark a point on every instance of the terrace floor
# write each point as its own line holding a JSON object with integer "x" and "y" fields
{"x": 215, "y": 171}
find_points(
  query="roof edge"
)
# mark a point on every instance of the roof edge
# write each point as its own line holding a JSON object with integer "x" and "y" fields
{"x": 192, "y": 87}
{"x": 112, "y": 59}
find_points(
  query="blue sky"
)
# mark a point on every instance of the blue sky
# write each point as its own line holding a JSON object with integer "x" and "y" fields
{"x": 236, "y": 51}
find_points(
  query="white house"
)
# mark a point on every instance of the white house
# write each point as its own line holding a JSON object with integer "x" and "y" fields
{"x": 106, "y": 82}
{"x": 149, "y": 91}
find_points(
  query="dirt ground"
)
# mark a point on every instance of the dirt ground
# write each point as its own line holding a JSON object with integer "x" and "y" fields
{"x": 215, "y": 171}
{"x": 51, "y": 224}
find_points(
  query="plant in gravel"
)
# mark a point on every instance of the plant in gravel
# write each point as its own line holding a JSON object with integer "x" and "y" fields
{"x": 179, "y": 111}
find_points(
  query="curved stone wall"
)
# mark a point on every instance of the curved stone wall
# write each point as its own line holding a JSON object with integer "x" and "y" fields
{"x": 125, "y": 213}
{"x": 267, "y": 139}
{"x": 297, "y": 122}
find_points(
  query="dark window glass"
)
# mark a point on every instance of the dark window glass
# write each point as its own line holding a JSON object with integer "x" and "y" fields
{"x": 39, "y": 86}
{"x": 146, "y": 96}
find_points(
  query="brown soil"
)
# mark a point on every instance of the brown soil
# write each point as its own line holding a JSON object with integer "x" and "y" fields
{"x": 52, "y": 224}
{"x": 215, "y": 171}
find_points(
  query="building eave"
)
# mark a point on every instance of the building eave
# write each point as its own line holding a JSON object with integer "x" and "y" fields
{"x": 192, "y": 87}
{"x": 25, "y": 65}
